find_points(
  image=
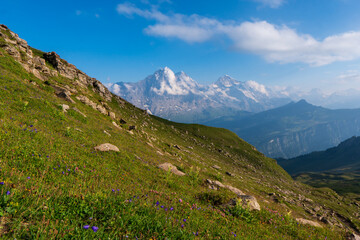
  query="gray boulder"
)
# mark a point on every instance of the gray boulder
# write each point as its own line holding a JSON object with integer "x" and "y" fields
{"x": 105, "y": 147}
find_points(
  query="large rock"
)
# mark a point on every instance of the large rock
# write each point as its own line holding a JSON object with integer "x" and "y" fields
{"x": 250, "y": 202}
{"x": 102, "y": 90}
{"x": 63, "y": 93}
{"x": 86, "y": 101}
{"x": 101, "y": 109}
{"x": 105, "y": 147}
{"x": 172, "y": 168}
{"x": 12, "y": 51}
{"x": 308, "y": 222}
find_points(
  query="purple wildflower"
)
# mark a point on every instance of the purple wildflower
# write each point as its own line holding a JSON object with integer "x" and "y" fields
{"x": 94, "y": 228}
{"x": 86, "y": 227}
{"x": 2, "y": 183}
{"x": 157, "y": 203}
{"x": 8, "y": 193}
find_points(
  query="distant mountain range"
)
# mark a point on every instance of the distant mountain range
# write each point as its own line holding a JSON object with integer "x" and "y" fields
{"x": 179, "y": 98}
{"x": 343, "y": 158}
{"x": 294, "y": 129}
{"x": 265, "y": 117}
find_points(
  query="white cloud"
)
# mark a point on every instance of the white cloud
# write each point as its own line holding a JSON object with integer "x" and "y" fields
{"x": 130, "y": 9}
{"x": 274, "y": 43}
{"x": 271, "y": 3}
{"x": 349, "y": 76}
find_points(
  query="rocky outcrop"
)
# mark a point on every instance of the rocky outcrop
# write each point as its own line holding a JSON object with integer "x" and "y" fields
{"x": 105, "y": 147}
{"x": 172, "y": 168}
{"x": 37, "y": 65}
{"x": 101, "y": 108}
{"x": 63, "y": 93}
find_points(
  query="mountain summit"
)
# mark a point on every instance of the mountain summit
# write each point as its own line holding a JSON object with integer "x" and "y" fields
{"x": 178, "y": 97}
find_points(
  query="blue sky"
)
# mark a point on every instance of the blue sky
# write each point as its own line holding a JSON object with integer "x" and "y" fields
{"x": 304, "y": 43}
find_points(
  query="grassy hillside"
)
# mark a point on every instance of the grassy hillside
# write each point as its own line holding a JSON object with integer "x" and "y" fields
{"x": 54, "y": 185}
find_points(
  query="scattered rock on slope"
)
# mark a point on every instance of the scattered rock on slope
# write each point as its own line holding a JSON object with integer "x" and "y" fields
{"x": 308, "y": 222}
{"x": 65, "y": 107}
{"x": 216, "y": 167}
{"x": 106, "y": 147}
{"x": 172, "y": 168}
{"x": 216, "y": 185}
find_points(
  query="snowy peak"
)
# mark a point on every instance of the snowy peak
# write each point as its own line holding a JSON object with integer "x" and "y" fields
{"x": 165, "y": 81}
{"x": 226, "y": 81}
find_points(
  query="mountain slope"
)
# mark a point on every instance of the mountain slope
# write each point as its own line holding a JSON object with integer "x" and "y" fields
{"x": 294, "y": 129}
{"x": 54, "y": 184}
{"x": 179, "y": 98}
{"x": 342, "y": 158}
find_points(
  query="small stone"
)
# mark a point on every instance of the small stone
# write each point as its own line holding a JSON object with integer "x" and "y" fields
{"x": 230, "y": 174}
{"x": 216, "y": 167}
{"x": 65, "y": 107}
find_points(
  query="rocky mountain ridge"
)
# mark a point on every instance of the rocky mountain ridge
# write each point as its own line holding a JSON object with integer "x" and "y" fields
{"x": 44, "y": 65}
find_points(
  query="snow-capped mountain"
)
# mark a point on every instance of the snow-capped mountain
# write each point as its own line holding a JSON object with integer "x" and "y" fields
{"x": 178, "y": 97}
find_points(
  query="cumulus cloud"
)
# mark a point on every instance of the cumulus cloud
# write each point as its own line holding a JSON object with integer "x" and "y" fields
{"x": 271, "y": 3}
{"x": 274, "y": 43}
